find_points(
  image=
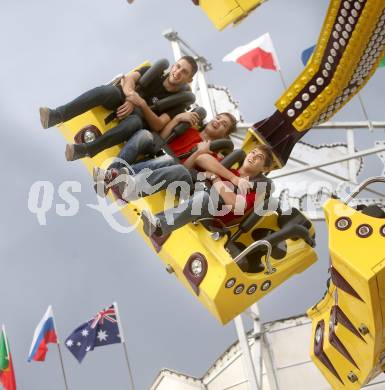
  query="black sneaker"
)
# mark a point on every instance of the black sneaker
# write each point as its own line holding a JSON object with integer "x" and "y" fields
{"x": 48, "y": 117}
{"x": 151, "y": 225}
{"x": 75, "y": 151}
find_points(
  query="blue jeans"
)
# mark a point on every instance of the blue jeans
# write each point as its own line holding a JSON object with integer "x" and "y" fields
{"x": 198, "y": 206}
{"x": 110, "y": 97}
{"x": 141, "y": 143}
{"x": 155, "y": 163}
{"x": 160, "y": 175}
{"x": 125, "y": 129}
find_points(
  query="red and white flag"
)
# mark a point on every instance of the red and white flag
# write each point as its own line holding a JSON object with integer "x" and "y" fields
{"x": 259, "y": 53}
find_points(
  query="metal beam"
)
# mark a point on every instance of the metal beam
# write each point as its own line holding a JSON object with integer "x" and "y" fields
{"x": 356, "y": 125}
{"x": 330, "y": 162}
{"x": 246, "y": 355}
{"x": 336, "y": 176}
{"x": 185, "y": 48}
{"x": 268, "y": 359}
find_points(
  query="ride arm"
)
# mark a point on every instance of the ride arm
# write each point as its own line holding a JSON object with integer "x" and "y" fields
{"x": 129, "y": 81}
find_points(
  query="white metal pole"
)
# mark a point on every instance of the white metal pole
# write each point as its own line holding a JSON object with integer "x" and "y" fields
{"x": 269, "y": 362}
{"x": 330, "y": 162}
{"x": 246, "y": 355}
{"x": 130, "y": 377}
{"x": 282, "y": 79}
{"x": 176, "y": 50}
{"x": 180, "y": 47}
{"x": 370, "y": 125}
{"x": 351, "y": 150}
{"x": 257, "y": 355}
{"x": 59, "y": 350}
{"x": 204, "y": 92}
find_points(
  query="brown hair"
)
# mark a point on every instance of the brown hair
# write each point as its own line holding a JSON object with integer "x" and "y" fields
{"x": 233, "y": 120}
{"x": 192, "y": 62}
{"x": 268, "y": 152}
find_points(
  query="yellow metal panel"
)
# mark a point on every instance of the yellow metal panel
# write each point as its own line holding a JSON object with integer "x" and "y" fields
{"x": 358, "y": 292}
{"x": 223, "y": 12}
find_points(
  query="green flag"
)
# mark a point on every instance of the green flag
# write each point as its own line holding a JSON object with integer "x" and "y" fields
{"x": 7, "y": 375}
{"x": 4, "y": 361}
{"x": 382, "y": 63}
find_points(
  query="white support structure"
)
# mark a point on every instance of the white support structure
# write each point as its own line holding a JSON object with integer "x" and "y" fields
{"x": 351, "y": 150}
{"x": 268, "y": 360}
{"x": 180, "y": 48}
{"x": 246, "y": 354}
{"x": 206, "y": 100}
{"x": 351, "y": 156}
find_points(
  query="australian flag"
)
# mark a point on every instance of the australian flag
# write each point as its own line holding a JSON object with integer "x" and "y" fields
{"x": 101, "y": 330}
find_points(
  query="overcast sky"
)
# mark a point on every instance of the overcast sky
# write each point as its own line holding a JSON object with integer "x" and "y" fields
{"x": 53, "y": 50}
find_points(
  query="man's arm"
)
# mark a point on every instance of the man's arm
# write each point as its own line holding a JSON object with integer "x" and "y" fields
{"x": 128, "y": 82}
{"x": 190, "y": 117}
{"x": 209, "y": 163}
{"x": 202, "y": 148}
{"x": 155, "y": 122}
{"x": 226, "y": 192}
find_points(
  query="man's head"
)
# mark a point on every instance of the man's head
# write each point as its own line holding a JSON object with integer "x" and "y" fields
{"x": 259, "y": 160}
{"x": 221, "y": 126}
{"x": 182, "y": 71}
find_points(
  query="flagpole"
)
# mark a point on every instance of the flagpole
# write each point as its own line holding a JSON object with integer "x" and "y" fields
{"x": 370, "y": 126}
{"x": 120, "y": 327}
{"x": 59, "y": 350}
{"x": 282, "y": 79}
{"x": 5, "y": 340}
{"x": 276, "y": 62}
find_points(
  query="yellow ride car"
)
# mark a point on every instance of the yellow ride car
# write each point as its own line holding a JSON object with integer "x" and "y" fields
{"x": 219, "y": 266}
{"x": 224, "y": 12}
{"x": 348, "y": 324}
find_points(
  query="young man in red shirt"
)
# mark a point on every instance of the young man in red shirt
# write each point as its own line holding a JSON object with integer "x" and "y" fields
{"x": 142, "y": 143}
{"x": 249, "y": 179}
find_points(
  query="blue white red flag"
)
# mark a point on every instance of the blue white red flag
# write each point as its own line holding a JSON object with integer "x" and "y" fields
{"x": 101, "y": 330}
{"x": 45, "y": 333}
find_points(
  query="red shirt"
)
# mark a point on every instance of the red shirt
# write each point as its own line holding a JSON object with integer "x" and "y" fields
{"x": 249, "y": 203}
{"x": 185, "y": 142}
